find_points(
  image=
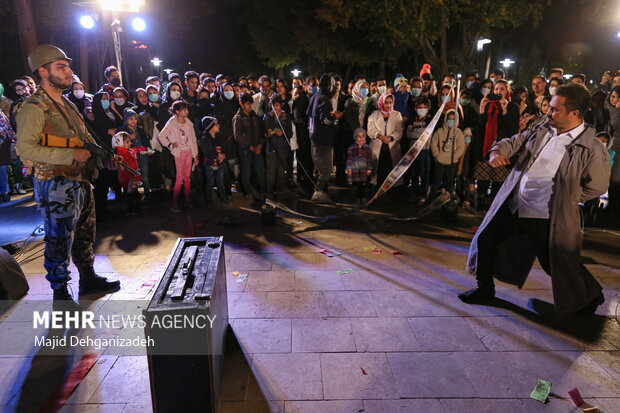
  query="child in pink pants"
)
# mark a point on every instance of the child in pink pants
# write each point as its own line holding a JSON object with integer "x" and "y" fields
{"x": 178, "y": 135}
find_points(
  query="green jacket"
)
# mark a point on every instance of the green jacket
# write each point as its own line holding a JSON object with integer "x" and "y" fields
{"x": 40, "y": 114}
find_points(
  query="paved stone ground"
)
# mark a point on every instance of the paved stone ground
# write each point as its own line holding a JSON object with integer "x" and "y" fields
{"x": 390, "y": 336}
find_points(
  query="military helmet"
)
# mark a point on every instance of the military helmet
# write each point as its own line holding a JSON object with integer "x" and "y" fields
{"x": 44, "y": 54}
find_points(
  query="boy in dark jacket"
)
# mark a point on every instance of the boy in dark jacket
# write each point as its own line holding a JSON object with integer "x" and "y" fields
{"x": 247, "y": 132}
{"x": 213, "y": 151}
{"x": 278, "y": 127}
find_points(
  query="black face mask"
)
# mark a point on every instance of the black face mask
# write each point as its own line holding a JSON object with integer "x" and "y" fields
{"x": 116, "y": 82}
{"x": 204, "y": 102}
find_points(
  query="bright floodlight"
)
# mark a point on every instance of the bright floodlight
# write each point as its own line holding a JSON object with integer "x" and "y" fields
{"x": 156, "y": 62}
{"x": 168, "y": 71}
{"x": 87, "y": 21}
{"x": 618, "y": 35}
{"x": 138, "y": 24}
{"x": 295, "y": 72}
{"x": 481, "y": 44}
{"x": 506, "y": 62}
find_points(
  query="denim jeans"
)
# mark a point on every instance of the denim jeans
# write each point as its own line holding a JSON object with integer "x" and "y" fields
{"x": 4, "y": 180}
{"x": 215, "y": 177}
{"x": 421, "y": 171}
{"x": 69, "y": 220}
{"x": 251, "y": 163}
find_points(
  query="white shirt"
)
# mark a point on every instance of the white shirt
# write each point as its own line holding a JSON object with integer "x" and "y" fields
{"x": 533, "y": 193}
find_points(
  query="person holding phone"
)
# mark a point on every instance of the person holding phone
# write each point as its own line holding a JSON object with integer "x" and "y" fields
{"x": 500, "y": 116}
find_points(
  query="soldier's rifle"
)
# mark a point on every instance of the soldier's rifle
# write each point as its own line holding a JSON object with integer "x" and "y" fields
{"x": 104, "y": 154}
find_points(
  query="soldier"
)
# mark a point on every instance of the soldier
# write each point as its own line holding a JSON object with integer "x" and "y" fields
{"x": 65, "y": 195}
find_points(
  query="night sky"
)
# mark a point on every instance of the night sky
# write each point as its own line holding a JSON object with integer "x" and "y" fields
{"x": 214, "y": 37}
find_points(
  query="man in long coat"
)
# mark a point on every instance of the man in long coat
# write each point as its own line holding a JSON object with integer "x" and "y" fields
{"x": 536, "y": 213}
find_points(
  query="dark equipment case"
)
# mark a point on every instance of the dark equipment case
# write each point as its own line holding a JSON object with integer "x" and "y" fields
{"x": 185, "y": 365}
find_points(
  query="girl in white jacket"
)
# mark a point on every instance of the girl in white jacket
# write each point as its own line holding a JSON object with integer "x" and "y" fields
{"x": 385, "y": 128}
{"x": 178, "y": 135}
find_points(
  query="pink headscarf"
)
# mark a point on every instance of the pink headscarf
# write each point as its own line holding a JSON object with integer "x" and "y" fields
{"x": 381, "y": 100}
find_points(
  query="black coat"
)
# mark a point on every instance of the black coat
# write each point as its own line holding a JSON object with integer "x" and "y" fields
{"x": 322, "y": 124}
{"x": 103, "y": 122}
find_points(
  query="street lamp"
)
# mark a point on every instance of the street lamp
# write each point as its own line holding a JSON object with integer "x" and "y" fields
{"x": 481, "y": 43}
{"x": 138, "y": 24}
{"x": 618, "y": 35}
{"x": 168, "y": 71}
{"x": 507, "y": 62}
{"x": 156, "y": 61}
{"x": 87, "y": 21}
{"x": 296, "y": 72}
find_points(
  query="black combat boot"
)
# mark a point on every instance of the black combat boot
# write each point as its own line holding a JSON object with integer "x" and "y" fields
{"x": 63, "y": 300}
{"x": 91, "y": 283}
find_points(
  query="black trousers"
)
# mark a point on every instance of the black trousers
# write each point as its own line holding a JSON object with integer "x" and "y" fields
{"x": 536, "y": 231}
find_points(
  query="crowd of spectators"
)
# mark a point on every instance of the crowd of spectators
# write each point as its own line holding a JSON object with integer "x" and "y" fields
{"x": 207, "y": 135}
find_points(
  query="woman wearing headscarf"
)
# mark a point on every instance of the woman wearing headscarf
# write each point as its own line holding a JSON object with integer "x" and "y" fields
{"x": 78, "y": 96}
{"x": 385, "y": 128}
{"x": 105, "y": 123}
{"x": 356, "y": 111}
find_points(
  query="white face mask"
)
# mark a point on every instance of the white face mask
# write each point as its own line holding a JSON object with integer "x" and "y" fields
{"x": 78, "y": 93}
{"x": 485, "y": 91}
{"x": 381, "y": 89}
{"x": 119, "y": 101}
{"x": 553, "y": 90}
{"x": 174, "y": 94}
{"x": 422, "y": 112}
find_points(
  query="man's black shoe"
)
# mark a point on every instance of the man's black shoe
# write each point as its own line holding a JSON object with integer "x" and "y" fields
{"x": 477, "y": 295}
{"x": 91, "y": 283}
{"x": 63, "y": 301}
{"x": 590, "y": 309}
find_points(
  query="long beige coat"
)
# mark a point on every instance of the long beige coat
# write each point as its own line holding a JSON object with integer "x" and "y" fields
{"x": 378, "y": 126}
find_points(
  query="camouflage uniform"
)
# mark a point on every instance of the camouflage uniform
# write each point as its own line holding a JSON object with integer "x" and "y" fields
{"x": 65, "y": 195}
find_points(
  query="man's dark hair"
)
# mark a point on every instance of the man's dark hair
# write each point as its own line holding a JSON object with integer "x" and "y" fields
{"x": 579, "y": 76}
{"x": 576, "y": 97}
{"x": 27, "y": 78}
{"x": 425, "y": 76}
{"x": 202, "y": 77}
{"x": 173, "y": 75}
{"x": 251, "y": 77}
{"x": 499, "y": 72}
{"x": 415, "y": 79}
{"x": 423, "y": 100}
{"x": 152, "y": 79}
{"x": 207, "y": 80}
{"x": 475, "y": 75}
{"x": 337, "y": 77}
{"x": 275, "y": 98}
{"x": 179, "y": 105}
{"x": 450, "y": 74}
{"x": 246, "y": 98}
{"x": 544, "y": 79}
{"x": 109, "y": 70}
{"x": 560, "y": 80}
{"x": 557, "y": 69}
{"x": 311, "y": 78}
{"x": 18, "y": 82}
{"x": 242, "y": 78}
{"x": 190, "y": 74}
{"x": 264, "y": 78}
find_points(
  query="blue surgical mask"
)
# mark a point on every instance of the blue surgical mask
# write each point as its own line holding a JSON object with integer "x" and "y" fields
{"x": 467, "y": 140}
{"x": 469, "y": 84}
{"x": 105, "y": 104}
{"x": 416, "y": 91}
{"x": 229, "y": 94}
{"x": 153, "y": 97}
{"x": 364, "y": 92}
{"x": 445, "y": 98}
{"x": 450, "y": 123}
{"x": 464, "y": 102}
{"x": 314, "y": 90}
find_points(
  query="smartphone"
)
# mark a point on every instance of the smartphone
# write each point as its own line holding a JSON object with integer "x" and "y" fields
{"x": 493, "y": 96}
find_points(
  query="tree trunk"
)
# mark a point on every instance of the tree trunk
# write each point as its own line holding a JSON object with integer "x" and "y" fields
{"x": 443, "y": 63}
{"x": 382, "y": 65}
{"x": 27, "y": 29}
